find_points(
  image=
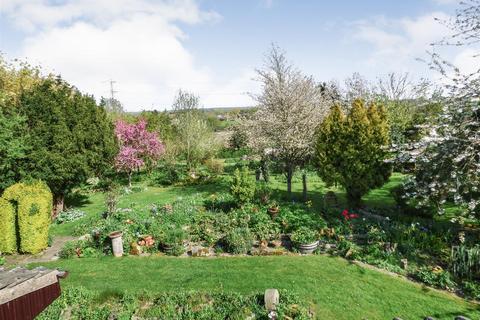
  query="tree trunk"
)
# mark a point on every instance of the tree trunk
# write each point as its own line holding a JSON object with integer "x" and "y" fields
{"x": 258, "y": 174}
{"x": 354, "y": 198}
{"x": 264, "y": 170}
{"x": 289, "y": 181}
{"x": 130, "y": 180}
{"x": 304, "y": 182}
{"x": 58, "y": 205}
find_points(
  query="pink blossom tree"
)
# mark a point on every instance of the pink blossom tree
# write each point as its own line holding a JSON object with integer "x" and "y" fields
{"x": 138, "y": 147}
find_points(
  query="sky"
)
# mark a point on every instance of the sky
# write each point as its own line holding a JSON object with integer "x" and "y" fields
{"x": 153, "y": 48}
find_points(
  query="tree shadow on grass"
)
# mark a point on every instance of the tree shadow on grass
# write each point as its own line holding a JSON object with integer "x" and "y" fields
{"x": 76, "y": 200}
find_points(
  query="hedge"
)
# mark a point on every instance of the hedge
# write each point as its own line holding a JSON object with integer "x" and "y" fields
{"x": 8, "y": 238}
{"x": 34, "y": 207}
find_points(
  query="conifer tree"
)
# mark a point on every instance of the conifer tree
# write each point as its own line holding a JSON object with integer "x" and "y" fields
{"x": 71, "y": 137}
{"x": 351, "y": 150}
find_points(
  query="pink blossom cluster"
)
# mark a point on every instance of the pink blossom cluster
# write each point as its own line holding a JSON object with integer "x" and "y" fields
{"x": 137, "y": 146}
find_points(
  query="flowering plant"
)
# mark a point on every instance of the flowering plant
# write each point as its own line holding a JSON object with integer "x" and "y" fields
{"x": 349, "y": 216}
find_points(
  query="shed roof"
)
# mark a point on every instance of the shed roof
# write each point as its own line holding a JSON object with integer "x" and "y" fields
{"x": 19, "y": 281}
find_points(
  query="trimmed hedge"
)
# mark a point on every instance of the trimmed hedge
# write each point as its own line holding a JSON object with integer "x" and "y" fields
{"x": 34, "y": 207}
{"x": 8, "y": 238}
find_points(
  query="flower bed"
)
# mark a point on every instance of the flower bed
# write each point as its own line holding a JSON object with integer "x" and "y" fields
{"x": 212, "y": 225}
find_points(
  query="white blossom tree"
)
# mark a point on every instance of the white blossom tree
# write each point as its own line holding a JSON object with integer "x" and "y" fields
{"x": 290, "y": 108}
{"x": 447, "y": 160}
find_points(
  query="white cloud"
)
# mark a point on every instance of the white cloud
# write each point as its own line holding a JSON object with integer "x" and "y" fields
{"x": 446, "y": 2}
{"x": 138, "y": 43}
{"x": 397, "y": 43}
{"x": 468, "y": 60}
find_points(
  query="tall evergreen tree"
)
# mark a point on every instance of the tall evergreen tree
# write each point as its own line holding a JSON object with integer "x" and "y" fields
{"x": 351, "y": 150}
{"x": 71, "y": 137}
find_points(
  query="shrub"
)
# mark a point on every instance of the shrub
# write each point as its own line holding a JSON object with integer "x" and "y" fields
{"x": 69, "y": 215}
{"x": 215, "y": 166}
{"x": 435, "y": 278}
{"x": 34, "y": 207}
{"x": 220, "y": 202}
{"x": 172, "y": 241}
{"x": 242, "y": 186}
{"x": 239, "y": 241}
{"x": 471, "y": 289}
{"x": 303, "y": 235}
{"x": 8, "y": 238}
{"x": 263, "y": 193}
{"x": 71, "y": 249}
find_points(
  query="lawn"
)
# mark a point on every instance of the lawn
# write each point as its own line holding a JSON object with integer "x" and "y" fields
{"x": 336, "y": 288}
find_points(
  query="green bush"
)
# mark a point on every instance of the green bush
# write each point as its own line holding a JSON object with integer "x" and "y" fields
{"x": 78, "y": 248}
{"x": 471, "y": 289}
{"x": 8, "y": 238}
{"x": 34, "y": 207}
{"x": 69, "y": 215}
{"x": 243, "y": 186}
{"x": 303, "y": 235}
{"x": 238, "y": 241}
{"x": 215, "y": 166}
{"x": 439, "y": 279}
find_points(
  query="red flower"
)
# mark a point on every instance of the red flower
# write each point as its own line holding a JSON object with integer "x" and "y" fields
{"x": 348, "y": 215}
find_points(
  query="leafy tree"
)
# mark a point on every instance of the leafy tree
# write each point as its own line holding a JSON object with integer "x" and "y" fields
{"x": 290, "y": 107}
{"x": 194, "y": 137}
{"x": 71, "y": 137}
{"x": 138, "y": 147}
{"x": 160, "y": 123}
{"x": 238, "y": 139}
{"x": 14, "y": 145}
{"x": 14, "y": 140}
{"x": 447, "y": 162}
{"x": 351, "y": 150}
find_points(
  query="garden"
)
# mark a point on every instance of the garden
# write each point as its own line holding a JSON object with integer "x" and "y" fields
{"x": 358, "y": 201}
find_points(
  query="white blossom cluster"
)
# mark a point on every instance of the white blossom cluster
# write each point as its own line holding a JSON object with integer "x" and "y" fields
{"x": 447, "y": 160}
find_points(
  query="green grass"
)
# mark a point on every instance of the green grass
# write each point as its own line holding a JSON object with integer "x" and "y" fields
{"x": 336, "y": 288}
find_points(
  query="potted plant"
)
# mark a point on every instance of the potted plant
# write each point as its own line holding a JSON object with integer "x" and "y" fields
{"x": 172, "y": 241}
{"x": 305, "y": 240}
{"x": 273, "y": 210}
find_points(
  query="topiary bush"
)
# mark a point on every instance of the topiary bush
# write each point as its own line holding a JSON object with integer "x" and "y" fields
{"x": 33, "y": 201}
{"x": 8, "y": 238}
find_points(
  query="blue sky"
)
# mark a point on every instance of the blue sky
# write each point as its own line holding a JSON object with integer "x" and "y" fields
{"x": 211, "y": 47}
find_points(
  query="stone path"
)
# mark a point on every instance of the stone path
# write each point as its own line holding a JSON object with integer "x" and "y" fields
{"x": 50, "y": 254}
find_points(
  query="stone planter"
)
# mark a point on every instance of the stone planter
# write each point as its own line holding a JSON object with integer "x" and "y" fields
{"x": 117, "y": 243}
{"x": 308, "y": 248}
